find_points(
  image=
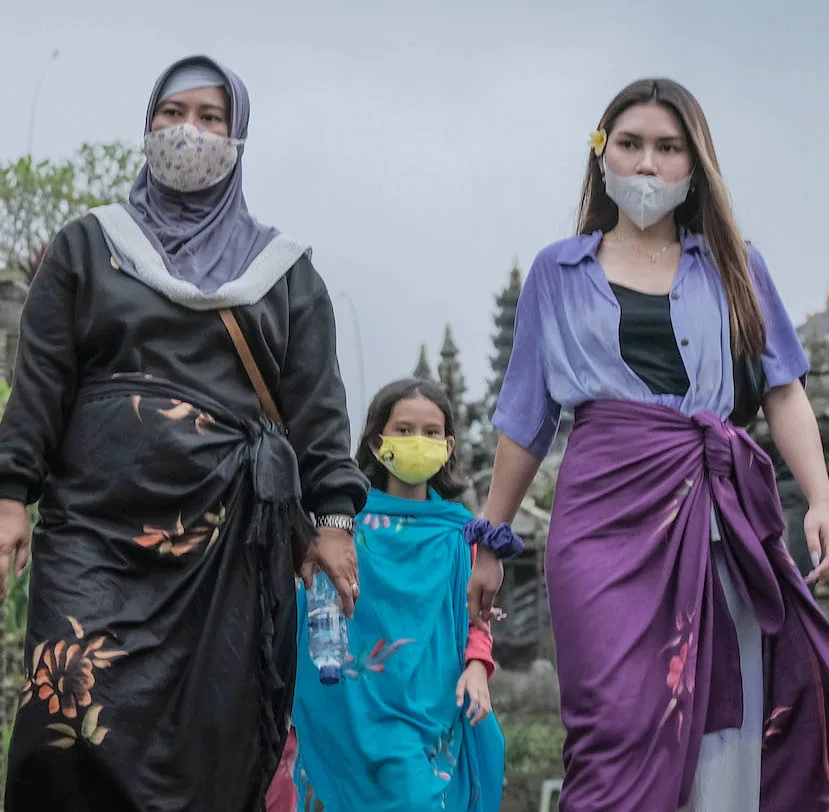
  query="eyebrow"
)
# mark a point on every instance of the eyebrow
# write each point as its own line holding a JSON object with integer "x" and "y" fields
{"x": 663, "y": 138}
{"x": 203, "y": 107}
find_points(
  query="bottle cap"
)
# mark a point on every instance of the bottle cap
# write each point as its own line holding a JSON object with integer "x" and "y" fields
{"x": 329, "y": 675}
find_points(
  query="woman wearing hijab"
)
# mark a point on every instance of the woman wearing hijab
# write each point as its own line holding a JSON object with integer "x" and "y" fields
{"x": 161, "y": 648}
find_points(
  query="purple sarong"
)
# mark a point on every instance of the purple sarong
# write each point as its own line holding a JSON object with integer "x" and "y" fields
{"x": 648, "y": 658}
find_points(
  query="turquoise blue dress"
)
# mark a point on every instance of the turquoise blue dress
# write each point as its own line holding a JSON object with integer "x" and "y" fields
{"x": 390, "y": 737}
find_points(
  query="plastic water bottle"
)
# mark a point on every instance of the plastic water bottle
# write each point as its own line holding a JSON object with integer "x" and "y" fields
{"x": 327, "y": 629}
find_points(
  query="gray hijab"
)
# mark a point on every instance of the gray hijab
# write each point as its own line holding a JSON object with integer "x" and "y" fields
{"x": 207, "y": 238}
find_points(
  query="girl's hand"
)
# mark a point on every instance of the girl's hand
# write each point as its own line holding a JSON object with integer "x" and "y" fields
{"x": 474, "y": 682}
{"x": 816, "y": 527}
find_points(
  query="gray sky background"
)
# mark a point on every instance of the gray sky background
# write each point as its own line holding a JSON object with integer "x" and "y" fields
{"x": 421, "y": 147}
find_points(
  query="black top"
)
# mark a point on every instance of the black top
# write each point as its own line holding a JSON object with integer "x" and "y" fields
{"x": 84, "y": 320}
{"x": 648, "y": 343}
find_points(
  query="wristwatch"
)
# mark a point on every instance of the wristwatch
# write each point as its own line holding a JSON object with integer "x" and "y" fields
{"x": 338, "y": 521}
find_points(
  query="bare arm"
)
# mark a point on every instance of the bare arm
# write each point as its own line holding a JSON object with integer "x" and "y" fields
{"x": 795, "y": 432}
{"x": 513, "y": 473}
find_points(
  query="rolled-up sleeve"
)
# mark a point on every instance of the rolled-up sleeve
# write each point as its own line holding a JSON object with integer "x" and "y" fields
{"x": 45, "y": 379}
{"x": 525, "y": 412}
{"x": 784, "y": 360}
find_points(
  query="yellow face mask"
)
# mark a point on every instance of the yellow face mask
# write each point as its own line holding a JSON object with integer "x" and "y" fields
{"x": 413, "y": 459}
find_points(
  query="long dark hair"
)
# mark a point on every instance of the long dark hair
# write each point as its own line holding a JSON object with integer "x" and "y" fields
{"x": 449, "y": 481}
{"x": 707, "y": 210}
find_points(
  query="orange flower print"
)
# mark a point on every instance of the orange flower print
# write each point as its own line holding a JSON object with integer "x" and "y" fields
{"x": 65, "y": 679}
{"x": 179, "y": 541}
{"x": 63, "y": 676}
{"x": 180, "y": 410}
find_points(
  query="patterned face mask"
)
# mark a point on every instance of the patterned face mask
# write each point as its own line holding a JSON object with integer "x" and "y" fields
{"x": 187, "y": 159}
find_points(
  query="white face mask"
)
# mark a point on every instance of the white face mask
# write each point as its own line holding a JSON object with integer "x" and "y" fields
{"x": 645, "y": 198}
{"x": 187, "y": 159}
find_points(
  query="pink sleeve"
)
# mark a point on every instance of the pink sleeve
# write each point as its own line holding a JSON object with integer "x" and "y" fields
{"x": 282, "y": 793}
{"x": 479, "y": 643}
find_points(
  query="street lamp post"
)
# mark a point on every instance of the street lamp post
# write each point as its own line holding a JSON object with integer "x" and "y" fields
{"x": 35, "y": 97}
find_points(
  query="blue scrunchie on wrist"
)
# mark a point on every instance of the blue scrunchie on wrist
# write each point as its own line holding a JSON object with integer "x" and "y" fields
{"x": 501, "y": 541}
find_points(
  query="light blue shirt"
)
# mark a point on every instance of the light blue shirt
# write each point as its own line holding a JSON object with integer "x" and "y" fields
{"x": 566, "y": 349}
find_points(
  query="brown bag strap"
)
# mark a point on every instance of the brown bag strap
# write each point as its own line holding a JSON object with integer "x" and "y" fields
{"x": 259, "y": 385}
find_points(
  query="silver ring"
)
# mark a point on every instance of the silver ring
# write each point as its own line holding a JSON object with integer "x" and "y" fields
{"x": 355, "y": 588}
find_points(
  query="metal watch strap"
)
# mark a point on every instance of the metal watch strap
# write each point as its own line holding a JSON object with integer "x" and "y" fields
{"x": 338, "y": 521}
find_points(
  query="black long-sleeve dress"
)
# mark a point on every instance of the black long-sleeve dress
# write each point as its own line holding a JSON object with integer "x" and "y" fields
{"x": 160, "y": 651}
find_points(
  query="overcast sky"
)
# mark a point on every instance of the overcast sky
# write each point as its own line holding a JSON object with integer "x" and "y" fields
{"x": 421, "y": 147}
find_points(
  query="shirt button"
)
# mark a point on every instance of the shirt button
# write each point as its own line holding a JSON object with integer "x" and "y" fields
{"x": 675, "y": 296}
{"x": 684, "y": 342}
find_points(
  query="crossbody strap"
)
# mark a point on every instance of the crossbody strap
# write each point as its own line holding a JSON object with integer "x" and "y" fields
{"x": 259, "y": 385}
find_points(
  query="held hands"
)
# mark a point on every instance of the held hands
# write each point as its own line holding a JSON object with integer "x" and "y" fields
{"x": 333, "y": 553}
{"x": 816, "y": 527}
{"x": 484, "y": 583}
{"x": 15, "y": 537}
{"x": 474, "y": 682}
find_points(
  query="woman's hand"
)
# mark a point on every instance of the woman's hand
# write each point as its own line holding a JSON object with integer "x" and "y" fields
{"x": 334, "y": 553}
{"x": 15, "y": 537}
{"x": 474, "y": 682}
{"x": 816, "y": 527}
{"x": 794, "y": 430}
{"x": 484, "y": 583}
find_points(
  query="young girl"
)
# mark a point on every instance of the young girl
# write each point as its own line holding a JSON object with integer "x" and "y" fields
{"x": 408, "y": 728}
{"x": 687, "y": 643}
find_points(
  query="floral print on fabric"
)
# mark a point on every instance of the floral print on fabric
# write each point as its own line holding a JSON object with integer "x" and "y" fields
{"x": 773, "y": 726}
{"x": 188, "y": 159}
{"x": 63, "y": 675}
{"x": 440, "y": 755}
{"x": 375, "y": 660}
{"x": 374, "y": 521}
{"x": 179, "y": 541}
{"x": 681, "y": 669}
{"x": 378, "y": 521}
{"x": 179, "y": 410}
{"x": 676, "y": 503}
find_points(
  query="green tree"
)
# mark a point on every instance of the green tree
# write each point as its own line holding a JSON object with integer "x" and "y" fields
{"x": 37, "y": 198}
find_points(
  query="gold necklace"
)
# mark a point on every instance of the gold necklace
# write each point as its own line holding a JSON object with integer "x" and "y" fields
{"x": 652, "y": 257}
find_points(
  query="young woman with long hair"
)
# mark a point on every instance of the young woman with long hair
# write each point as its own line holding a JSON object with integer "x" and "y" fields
{"x": 691, "y": 655}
